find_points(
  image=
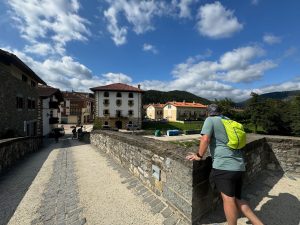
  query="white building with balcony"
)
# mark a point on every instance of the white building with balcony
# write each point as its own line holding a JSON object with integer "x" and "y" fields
{"x": 49, "y": 114}
{"x": 118, "y": 105}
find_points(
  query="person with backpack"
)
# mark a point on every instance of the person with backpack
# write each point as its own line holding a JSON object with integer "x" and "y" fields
{"x": 225, "y": 139}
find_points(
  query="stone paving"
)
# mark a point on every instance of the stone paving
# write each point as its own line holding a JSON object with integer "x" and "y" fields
{"x": 60, "y": 204}
{"x": 44, "y": 190}
{"x": 73, "y": 183}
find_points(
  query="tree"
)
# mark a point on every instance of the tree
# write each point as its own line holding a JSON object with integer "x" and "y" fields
{"x": 256, "y": 110}
{"x": 226, "y": 105}
{"x": 295, "y": 115}
{"x": 274, "y": 119}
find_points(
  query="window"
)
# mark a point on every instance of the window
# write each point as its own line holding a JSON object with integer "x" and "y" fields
{"x": 106, "y": 94}
{"x": 119, "y": 102}
{"x": 169, "y": 106}
{"x": 106, "y": 112}
{"x": 19, "y": 101}
{"x": 118, "y": 113}
{"x": 119, "y": 94}
{"x": 33, "y": 104}
{"x": 24, "y": 78}
{"x": 33, "y": 84}
{"x": 106, "y": 102}
{"x": 130, "y": 95}
{"x": 29, "y": 103}
{"x": 106, "y": 123}
{"x": 130, "y": 112}
{"x": 130, "y": 103}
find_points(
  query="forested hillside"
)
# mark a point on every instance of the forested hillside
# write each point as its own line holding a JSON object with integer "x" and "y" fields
{"x": 153, "y": 96}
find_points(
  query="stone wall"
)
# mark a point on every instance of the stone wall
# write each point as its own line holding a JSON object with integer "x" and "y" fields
{"x": 185, "y": 185}
{"x": 11, "y": 150}
{"x": 13, "y": 119}
{"x": 162, "y": 167}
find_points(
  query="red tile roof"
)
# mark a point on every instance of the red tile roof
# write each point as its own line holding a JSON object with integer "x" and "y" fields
{"x": 156, "y": 105}
{"x": 80, "y": 96}
{"x": 47, "y": 91}
{"x": 187, "y": 104}
{"x": 117, "y": 87}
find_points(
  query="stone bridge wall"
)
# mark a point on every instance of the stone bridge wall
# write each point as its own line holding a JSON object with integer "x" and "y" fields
{"x": 11, "y": 150}
{"x": 184, "y": 185}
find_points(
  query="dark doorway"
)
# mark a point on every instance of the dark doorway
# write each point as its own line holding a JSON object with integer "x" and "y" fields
{"x": 119, "y": 124}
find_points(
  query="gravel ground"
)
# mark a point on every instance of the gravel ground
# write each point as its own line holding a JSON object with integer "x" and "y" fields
{"x": 274, "y": 197}
{"x": 101, "y": 194}
{"x": 21, "y": 179}
{"x": 104, "y": 198}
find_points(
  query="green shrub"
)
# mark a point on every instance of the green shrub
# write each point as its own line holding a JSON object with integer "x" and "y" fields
{"x": 97, "y": 124}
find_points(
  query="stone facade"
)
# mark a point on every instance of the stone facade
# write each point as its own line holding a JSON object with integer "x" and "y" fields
{"x": 162, "y": 167}
{"x": 17, "y": 120}
{"x": 185, "y": 185}
{"x": 11, "y": 150}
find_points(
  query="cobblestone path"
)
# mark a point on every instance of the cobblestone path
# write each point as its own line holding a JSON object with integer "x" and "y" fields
{"x": 71, "y": 183}
{"x": 60, "y": 203}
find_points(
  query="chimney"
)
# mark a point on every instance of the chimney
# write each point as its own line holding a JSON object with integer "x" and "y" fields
{"x": 183, "y": 101}
{"x": 139, "y": 86}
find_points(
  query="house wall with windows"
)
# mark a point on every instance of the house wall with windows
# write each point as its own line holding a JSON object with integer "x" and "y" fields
{"x": 180, "y": 111}
{"x": 18, "y": 101}
{"x": 77, "y": 108}
{"x": 50, "y": 115}
{"x": 170, "y": 112}
{"x": 118, "y": 105}
{"x": 113, "y": 106}
{"x": 155, "y": 111}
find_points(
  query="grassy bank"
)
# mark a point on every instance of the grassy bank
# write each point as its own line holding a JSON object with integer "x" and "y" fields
{"x": 171, "y": 126}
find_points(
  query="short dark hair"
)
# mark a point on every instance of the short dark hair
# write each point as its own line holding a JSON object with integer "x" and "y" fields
{"x": 213, "y": 110}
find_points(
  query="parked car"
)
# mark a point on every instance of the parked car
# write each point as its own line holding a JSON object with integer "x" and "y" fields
{"x": 60, "y": 130}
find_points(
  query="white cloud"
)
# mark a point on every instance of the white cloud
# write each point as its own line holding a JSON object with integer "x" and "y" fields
{"x": 285, "y": 86}
{"x": 239, "y": 58}
{"x": 42, "y": 49}
{"x": 254, "y": 2}
{"x": 150, "y": 48}
{"x": 117, "y": 78}
{"x": 67, "y": 74}
{"x": 139, "y": 14}
{"x": 118, "y": 34}
{"x": 56, "y": 21}
{"x": 234, "y": 66}
{"x": 250, "y": 73}
{"x": 271, "y": 39}
{"x": 215, "y": 21}
{"x": 184, "y": 7}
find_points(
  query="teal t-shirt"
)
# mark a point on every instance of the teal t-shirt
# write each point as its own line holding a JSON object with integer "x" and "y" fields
{"x": 223, "y": 157}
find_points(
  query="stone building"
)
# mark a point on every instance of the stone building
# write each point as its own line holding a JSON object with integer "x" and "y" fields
{"x": 118, "y": 105}
{"x": 18, "y": 97}
{"x": 49, "y": 100}
{"x": 180, "y": 111}
{"x": 154, "y": 111}
{"x": 77, "y": 108}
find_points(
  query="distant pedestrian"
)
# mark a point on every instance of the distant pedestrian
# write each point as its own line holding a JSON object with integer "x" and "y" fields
{"x": 79, "y": 132}
{"x": 56, "y": 135}
{"x": 228, "y": 167}
{"x": 74, "y": 133}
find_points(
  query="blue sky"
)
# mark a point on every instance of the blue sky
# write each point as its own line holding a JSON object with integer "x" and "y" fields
{"x": 214, "y": 49}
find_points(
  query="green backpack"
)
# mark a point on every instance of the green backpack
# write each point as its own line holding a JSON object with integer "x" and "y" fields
{"x": 235, "y": 132}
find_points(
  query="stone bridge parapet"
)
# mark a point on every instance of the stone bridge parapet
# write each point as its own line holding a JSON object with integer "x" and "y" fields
{"x": 184, "y": 185}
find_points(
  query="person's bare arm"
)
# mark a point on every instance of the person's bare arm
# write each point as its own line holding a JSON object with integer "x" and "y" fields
{"x": 204, "y": 142}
